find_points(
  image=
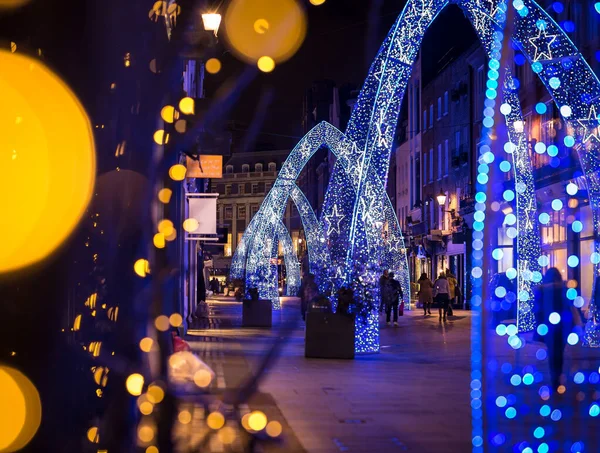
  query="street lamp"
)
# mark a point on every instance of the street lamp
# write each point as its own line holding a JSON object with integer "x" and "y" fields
{"x": 519, "y": 126}
{"x": 441, "y": 198}
{"x": 211, "y": 22}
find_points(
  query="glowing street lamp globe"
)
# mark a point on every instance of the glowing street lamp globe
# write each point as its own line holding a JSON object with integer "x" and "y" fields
{"x": 441, "y": 198}
{"x": 211, "y": 22}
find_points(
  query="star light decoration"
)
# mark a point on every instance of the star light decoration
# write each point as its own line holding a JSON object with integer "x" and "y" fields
{"x": 590, "y": 127}
{"x": 333, "y": 220}
{"x": 542, "y": 43}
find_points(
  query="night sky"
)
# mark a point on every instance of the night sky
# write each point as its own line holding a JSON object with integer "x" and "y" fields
{"x": 342, "y": 38}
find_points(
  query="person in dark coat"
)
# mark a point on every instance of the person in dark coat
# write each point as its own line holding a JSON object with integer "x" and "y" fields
{"x": 551, "y": 299}
{"x": 425, "y": 293}
{"x": 308, "y": 291}
{"x": 392, "y": 296}
{"x": 383, "y": 281}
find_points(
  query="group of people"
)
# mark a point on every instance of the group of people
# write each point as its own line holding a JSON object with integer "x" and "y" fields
{"x": 444, "y": 291}
{"x": 391, "y": 295}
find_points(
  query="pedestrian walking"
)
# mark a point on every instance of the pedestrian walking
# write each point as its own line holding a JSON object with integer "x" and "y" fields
{"x": 441, "y": 292}
{"x": 308, "y": 291}
{"x": 392, "y": 296}
{"x": 383, "y": 281}
{"x": 550, "y": 301}
{"x": 452, "y": 284}
{"x": 425, "y": 293}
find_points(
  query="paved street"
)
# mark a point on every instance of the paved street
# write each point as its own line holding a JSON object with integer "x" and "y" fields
{"x": 384, "y": 402}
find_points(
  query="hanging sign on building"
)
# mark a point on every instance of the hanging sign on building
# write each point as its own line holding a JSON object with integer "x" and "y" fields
{"x": 207, "y": 166}
{"x": 202, "y": 207}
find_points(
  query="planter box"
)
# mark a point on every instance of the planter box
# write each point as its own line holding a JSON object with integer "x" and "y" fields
{"x": 329, "y": 336}
{"x": 257, "y": 313}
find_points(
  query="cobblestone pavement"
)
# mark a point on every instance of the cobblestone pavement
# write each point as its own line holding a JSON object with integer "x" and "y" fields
{"x": 414, "y": 396}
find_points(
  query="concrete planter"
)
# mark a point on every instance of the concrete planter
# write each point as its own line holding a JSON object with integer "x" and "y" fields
{"x": 329, "y": 336}
{"x": 257, "y": 313}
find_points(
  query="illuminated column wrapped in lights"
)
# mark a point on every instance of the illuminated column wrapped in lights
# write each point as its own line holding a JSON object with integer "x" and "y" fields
{"x": 527, "y": 230}
{"x": 292, "y": 265}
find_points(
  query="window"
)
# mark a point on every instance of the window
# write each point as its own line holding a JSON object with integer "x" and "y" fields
{"x": 445, "y": 103}
{"x": 424, "y": 119}
{"x": 241, "y": 214}
{"x": 268, "y": 186}
{"x": 446, "y": 158}
{"x": 431, "y": 165}
{"x": 254, "y": 188}
{"x": 258, "y": 168}
{"x": 457, "y": 143}
{"x": 272, "y": 166}
{"x": 439, "y": 108}
{"x": 241, "y": 189}
{"x": 439, "y": 159}
{"x": 245, "y": 168}
{"x": 227, "y": 249}
{"x": 253, "y": 209}
{"x": 431, "y": 116}
{"x": 228, "y": 212}
{"x": 229, "y": 169}
{"x": 228, "y": 189}
{"x": 425, "y": 168}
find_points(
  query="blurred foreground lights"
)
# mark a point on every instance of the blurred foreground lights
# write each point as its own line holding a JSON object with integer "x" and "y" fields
{"x": 274, "y": 429}
{"x": 155, "y": 393}
{"x": 168, "y": 113}
{"x": 159, "y": 240}
{"x": 215, "y": 420}
{"x": 164, "y": 195}
{"x": 151, "y": 449}
{"x": 20, "y": 410}
{"x": 145, "y": 433}
{"x": 190, "y": 225}
{"x": 317, "y": 2}
{"x": 177, "y": 172}
{"x": 162, "y": 323}
{"x": 92, "y": 435}
{"x": 135, "y": 384}
{"x": 266, "y": 64}
{"x": 161, "y": 137}
{"x": 213, "y": 66}
{"x": 186, "y": 105}
{"x": 141, "y": 267}
{"x": 146, "y": 344}
{"x": 202, "y": 378}
{"x": 165, "y": 227}
{"x": 226, "y": 435}
{"x": 43, "y": 124}
{"x": 146, "y": 407}
{"x": 265, "y": 27}
{"x": 184, "y": 417}
{"x": 257, "y": 421}
{"x": 11, "y": 4}
{"x": 175, "y": 320}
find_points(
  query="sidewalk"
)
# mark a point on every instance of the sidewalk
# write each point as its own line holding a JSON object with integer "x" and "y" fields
{"x": 377, "y": 403}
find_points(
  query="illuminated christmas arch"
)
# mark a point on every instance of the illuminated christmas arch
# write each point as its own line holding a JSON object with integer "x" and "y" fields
{"x": 358, "y": 222}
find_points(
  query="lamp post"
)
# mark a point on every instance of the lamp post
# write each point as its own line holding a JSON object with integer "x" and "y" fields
{"x": 211, "y": 22}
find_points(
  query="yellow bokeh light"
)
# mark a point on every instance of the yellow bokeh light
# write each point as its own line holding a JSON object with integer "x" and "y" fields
{"x": 265, "y": 64}
{"x": 274, "y": 429}
{"x": 161, "y": 137}
{"x": 155, "y": 393}
{"x": 257, "y": 420}
{"x": 245, "y": 424}
{"x": 135, "y": 384}
{"x": 145, "y": 433}
{"x": 20, "y": 410}
{"x": 177, "y": 172}
{"x": 13, "y": 47}
{"x": 159, "y": 240}
{"x": 561, "y": 389}
{"x": 213, "y": 66}
{"x": 47, "y": 129}
{"x": 261, "y": 26}
{"x": 226, "y": 435}
{"x": 146, "y": 407}
{"x": 184, "y": 417}
{"x": 92, "y": 435}
{"x": 162, "y": 323}
{"x": 164, "y": 195}
{"x": 187, "y": 105}
{"x": 165, "y": 227}
{"x": 151, "y": 449}
{"x": 172, "y": 236}
{"x": 10, "y": 4}
{"x": 265, "y": 27}
{"x": 181, "y": 126}
{"x": 141, "y": 267}
{"x": 146, "y": 344}
{"x": 202, "y": 378}
{"x": 175, "y": 319}
{"x": 168, "y": 113}
{"x": 317, "y": 2}
{"x": 215, "y": 420}
{"x": 190, "y": 225}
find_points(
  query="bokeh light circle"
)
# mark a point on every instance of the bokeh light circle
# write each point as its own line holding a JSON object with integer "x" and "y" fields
{"x": 286, "y": 30}
{"x": 49, "y": 138}
{"x": 20, "y": 410}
